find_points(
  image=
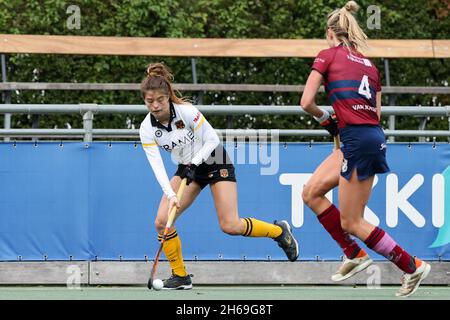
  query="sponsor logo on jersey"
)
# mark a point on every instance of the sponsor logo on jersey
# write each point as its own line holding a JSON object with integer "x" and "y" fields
{"x": 363, "y": 61}
{"x": 181, "y": 142}
{"x": 179, "y": 124}
{"x": 197, "y": 117}
{"x": 319, "y": 60}
{"x": 158, "y": 133}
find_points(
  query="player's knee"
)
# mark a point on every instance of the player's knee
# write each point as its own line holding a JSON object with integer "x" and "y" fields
{"x": 160, "y": 225}
{"x": 306, "y": 195}
{"x": 310, "y": 193}
{"x": 230, "y": 228}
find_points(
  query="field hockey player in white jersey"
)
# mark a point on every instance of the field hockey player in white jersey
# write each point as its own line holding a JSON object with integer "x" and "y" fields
{"x": 176, "y": 126}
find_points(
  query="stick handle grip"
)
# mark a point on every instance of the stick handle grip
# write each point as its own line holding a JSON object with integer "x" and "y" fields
{"x": 173, "y": 212}
{"x": 337, "y": 142}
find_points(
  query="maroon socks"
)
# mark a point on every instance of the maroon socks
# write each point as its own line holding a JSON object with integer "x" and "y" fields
{"x": 331, "y": 220}
{"x": 380, "y": 242}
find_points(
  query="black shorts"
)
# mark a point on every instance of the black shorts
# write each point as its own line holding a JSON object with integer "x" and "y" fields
{"x": 210, "y": 173}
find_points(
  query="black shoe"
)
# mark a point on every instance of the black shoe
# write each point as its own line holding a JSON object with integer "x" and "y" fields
{"x": 177, "y": 283}
{"x": 286, "y": 240}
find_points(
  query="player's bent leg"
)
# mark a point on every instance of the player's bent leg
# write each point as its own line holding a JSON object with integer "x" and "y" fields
{"x": 225, "y": 199}
{"x": 324, "y": 178}
{"x": 353, "y": 196}
{"x": 190, "y": 194}
{"x": 172, "y": 246}
{"x": 415, "y": 270}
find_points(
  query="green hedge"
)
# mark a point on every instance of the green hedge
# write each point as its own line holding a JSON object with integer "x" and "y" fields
{"x": 402, "y": 19}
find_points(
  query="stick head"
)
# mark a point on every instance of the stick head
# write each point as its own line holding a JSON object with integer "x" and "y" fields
{"x": 150, "y": 284}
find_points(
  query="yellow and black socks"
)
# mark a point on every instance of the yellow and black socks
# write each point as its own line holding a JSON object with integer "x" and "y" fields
{"x": 172, "y": 250}
{"x": 258, "y": 228}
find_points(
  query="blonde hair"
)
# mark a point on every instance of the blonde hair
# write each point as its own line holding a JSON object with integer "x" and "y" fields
{"x": 347, "y": 30}
{"x": 159, "y": 77}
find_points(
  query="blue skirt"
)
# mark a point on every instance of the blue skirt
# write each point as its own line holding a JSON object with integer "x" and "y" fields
{"x": 364, "y": 148}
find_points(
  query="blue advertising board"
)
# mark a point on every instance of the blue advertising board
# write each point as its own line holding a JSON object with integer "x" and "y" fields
{"x": 68, "y": 201}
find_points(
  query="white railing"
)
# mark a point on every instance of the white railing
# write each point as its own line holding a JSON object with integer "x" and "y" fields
{"x": 88, "y": 111}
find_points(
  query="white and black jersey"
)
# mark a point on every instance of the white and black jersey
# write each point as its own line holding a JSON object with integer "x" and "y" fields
{"x": 188, "y": 137}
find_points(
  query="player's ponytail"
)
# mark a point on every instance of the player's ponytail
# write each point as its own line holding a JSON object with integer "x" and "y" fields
{"x": 344, "y": 25}
{"x": 159, "y": 77}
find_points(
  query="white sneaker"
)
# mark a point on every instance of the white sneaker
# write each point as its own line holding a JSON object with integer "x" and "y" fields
{"x": 351, "y": 267}
{"x": 410, "y": 282}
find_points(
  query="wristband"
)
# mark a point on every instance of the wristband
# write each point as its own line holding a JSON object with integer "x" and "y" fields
{"x": 324, "y": 117}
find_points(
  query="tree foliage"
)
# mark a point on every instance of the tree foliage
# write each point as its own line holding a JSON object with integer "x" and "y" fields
{"x": 288, "y": 19}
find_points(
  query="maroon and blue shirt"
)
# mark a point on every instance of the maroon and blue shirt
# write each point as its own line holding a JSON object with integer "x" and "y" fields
{"x": 351, "y": 84}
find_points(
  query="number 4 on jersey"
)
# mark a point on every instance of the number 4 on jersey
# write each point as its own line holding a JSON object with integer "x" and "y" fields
{"x": 364, "y": 88}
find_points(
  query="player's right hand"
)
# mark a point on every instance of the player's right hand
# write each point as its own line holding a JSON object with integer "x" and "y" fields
{"x": 330, "y": 124}
{"x": 173, "y": 201}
